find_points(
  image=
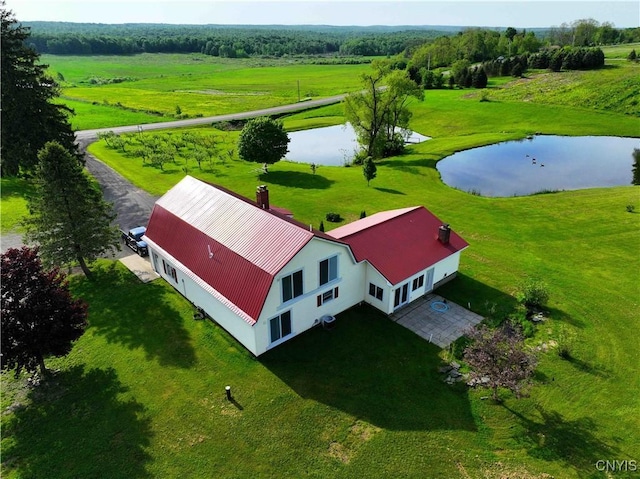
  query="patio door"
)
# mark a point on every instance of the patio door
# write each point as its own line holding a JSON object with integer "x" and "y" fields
{"x": 401, "y": 296}
{"x": 428, "y": 285}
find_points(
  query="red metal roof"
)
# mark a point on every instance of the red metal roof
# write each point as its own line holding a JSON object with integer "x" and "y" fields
{"x": 399, "y": 243}
{"x": 249, "y": 245}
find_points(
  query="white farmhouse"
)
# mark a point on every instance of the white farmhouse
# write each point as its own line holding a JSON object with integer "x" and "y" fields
{"x": 265, "y": 277}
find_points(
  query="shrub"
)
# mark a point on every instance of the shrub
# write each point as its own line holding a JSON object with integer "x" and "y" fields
{"x": 533, "y": 295}
{"x": 333, "y": 217}
{"x": 631, "y": 208}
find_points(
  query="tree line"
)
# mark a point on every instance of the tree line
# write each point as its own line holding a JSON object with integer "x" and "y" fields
{"x": 219, "y": 40}
{"x": 430, "y": 46}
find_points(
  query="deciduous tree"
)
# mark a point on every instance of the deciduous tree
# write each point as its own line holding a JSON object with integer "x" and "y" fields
{"x": 263, "y": 140}
{"x": 498, "y": 358}
{"x": 29, "y": 116}
{"x": 69, "y": 218}
{"x": 39, "y": 318}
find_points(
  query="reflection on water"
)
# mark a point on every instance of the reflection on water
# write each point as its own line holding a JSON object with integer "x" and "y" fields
{"x": 332, "y": 145}
{"x": 541, "y": 163}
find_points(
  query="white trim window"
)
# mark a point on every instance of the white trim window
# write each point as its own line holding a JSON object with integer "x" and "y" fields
{"x": 375, "y": 291}
{"x": 417, "y": 283}
{"x": 170, "y": 271}
{"x": 327, "y": 296}
{"x": 328, "y": 270}
{"x": 280, "y": 326}
{"x": 292, "y": 286}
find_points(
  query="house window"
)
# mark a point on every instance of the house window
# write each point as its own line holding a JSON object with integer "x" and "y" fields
{"x": 327, "y": 296}
{"x": 418, "y": 283}
{"x": 375, "y": 291}
{"x": 328, "y": 270}
{"x": 280, "y": 326}
{"x": 170, "y": 270}
{"x": 292, "y": 286}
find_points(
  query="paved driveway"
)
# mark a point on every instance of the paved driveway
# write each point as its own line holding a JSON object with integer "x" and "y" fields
{"x": 436, "y": 319}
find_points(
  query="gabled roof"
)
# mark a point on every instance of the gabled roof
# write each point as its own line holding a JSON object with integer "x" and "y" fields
{"x": 399, "y": 243}
{"x": 227, "y": 241}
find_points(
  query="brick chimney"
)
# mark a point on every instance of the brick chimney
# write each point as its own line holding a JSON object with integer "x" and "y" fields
{"x": 444, "y": 233}
{"x": 262, "y": 197}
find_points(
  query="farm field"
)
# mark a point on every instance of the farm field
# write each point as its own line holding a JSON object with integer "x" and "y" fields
{"x": 144, "y": 88}
{"x": 144, "y": 387}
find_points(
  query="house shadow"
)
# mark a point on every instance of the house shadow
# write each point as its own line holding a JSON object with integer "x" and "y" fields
{"x": 135, "y": 314}
{"x": 296, "y": 179}
{"x": 375, "y": 370}
{"x": 76, "y": 424}
{"x": 479, "y": 297}
{"x": 551, "y": 437}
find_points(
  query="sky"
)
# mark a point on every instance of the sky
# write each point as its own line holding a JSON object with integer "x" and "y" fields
{"x": 501, "y": 13}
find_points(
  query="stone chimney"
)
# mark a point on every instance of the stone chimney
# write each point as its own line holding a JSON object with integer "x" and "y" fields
{"x": 444, "y": 233}
{"x": 262, "y": 197}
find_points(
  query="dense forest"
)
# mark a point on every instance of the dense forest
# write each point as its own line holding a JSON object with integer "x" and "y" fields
{"x": 429, "y": 45}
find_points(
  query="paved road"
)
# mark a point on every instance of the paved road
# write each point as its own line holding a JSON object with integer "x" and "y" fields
{"x": 91, "y": 135}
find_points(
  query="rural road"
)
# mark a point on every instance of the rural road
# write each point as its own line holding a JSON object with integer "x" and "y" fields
{"x": 133, "y": 205}
{"x": 90, "y": 135}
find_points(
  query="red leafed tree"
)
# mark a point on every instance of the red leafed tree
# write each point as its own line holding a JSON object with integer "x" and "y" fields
{"x": 39, "y": 318}
{"x": 498, "y": 358}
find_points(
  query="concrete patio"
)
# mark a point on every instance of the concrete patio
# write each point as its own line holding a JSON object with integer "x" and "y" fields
{"x": 436, "y": 319}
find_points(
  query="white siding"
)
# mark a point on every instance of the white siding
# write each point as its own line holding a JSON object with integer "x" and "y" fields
{"x": 199, "y": 294}
{"x": 305, "y": 312}
{"x": 446, "y": 267}
{"x": 373, "y": 276}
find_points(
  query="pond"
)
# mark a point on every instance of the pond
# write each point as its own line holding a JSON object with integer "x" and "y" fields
{"x": 541, "y": 164}
{"x": 331, "y": 145}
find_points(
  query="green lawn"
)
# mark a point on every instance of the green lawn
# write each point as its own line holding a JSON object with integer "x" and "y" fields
{"x": 13, "y": 207}
{"x": 144, "y": 387}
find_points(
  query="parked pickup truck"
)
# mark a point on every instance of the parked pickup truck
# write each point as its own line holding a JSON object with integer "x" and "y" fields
{"x": 133, "y": 239}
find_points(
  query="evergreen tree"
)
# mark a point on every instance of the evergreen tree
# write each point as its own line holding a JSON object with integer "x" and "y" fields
{"x": 479, "y": 78}
{"x": 39, "y": 316}
{"x": 635, "y": 169}
{"x": 69, "y": 218}
{"x": 29, "y": 117}
{"x": 369, "y": 169}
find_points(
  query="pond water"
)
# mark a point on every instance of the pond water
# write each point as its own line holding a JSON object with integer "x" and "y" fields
{"x": 331, "y": 145}
{"x": 541, "y": 163}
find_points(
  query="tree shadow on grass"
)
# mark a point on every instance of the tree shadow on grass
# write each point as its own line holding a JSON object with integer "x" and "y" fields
{"x": 296, "y": 179}
{"x": 553, "y": 438}
{"x": 389, "y": 190}
{"x": 137, "y": 315}
{"x": 375, "y": 370}
{"x": 407, "y": 165}
{"x": 75, "y": 424}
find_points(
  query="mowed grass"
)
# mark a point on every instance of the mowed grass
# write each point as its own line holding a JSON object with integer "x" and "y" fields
{"x": 155, "y": 84}
{"x": 13, "y": 206}
{"x": 144, "y": 387}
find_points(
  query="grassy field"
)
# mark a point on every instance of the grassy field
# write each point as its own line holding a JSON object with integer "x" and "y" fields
{"x": 150, "y": 86}
{"x": 144, "y": 387}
